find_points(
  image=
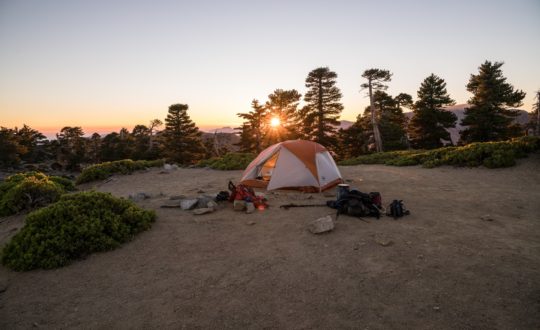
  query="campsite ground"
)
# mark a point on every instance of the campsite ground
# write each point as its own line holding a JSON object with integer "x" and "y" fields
{"x": 468, "y": 257}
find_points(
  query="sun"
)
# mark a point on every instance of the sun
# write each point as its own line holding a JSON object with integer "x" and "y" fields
{"x": 274, "y": 122}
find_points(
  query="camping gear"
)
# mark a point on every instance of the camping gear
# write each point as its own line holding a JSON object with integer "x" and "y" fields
{"x": 294, "y": 164}
{"x": 222, "y": 196}
{"x": 396, "y": 209}
{"x": 358, "y": 204}
{"x": 246, "y": 194}
{"x": 342, "y": 190}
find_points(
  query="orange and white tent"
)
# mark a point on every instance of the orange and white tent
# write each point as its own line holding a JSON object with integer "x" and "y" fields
{"x": 294, "y": 164}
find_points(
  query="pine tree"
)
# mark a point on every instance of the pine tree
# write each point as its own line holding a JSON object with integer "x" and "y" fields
{"x": 390, "y": 120}
{"x": 71, "y": 147}
{"x": 32, "y": 140}
{"x": 321, "y": 113}
{"x": 376, "y": 79}
{"x": 10, "y": 149}
{"x": 489, "y": 117}
{"x": 283, "y": 105}
{"x": 429, "y": 122}
{"x": 253, "y": 129}
{"x": 181, "y": 138}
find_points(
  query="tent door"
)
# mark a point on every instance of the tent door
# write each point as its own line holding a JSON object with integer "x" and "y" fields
{"x": 266, "y": 170}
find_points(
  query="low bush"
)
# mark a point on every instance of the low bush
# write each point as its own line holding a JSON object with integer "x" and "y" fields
{"x": 25, "y": 191}
{"x": 104, "y": 170}
{"x": 77, "y": 225}
{"x": 488, "y": 154}
{"x": 230, "y": 161}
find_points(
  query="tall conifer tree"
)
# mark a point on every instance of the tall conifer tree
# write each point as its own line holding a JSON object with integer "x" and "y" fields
{"x": 489, "y": 118}
{"x": 429, "y": 122}
{"x": 376, "y": 79}
{"x": 181, "y": 138}
{"x": 320, "y": 114}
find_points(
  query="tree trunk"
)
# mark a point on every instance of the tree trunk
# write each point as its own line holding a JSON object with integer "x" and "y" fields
{"x": 320, "y": 133}
{"x": 538, "y": 114}
{"x": 376, "y": 133}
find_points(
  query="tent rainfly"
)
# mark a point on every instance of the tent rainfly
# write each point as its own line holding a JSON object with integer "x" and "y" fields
{"x": 294, "y": 164}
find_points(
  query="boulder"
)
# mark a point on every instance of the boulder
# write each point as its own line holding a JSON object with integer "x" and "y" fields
{"x": 188, "y": 204}
{"x": 321, "y": 225}
{"x": 203, "y": 201}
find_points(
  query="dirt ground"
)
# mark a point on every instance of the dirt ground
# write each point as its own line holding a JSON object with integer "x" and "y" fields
{"x": 468, "y": 257}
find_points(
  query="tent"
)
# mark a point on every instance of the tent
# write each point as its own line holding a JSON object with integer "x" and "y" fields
{"x": 294, "y": 164}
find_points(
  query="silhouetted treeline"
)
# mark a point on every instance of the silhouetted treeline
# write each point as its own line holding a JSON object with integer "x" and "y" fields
{"x": 179, "y": 141}
{"x": 383, "y": 125}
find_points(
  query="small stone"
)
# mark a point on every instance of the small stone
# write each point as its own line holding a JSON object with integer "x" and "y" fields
{"x": 200, "y": 191}
{"x": 174, "y": 167}
{"x": 436, "y": 308}
{"x": 321, "y": 225}
{"x": 172, "y": 203}
{"x": 239, "y": 205}
{"x": 384, "y": 242}
{"x": 204, "y": 210}
{"x": 167, "y": 167}
{"x": 250, "y": 208}
{"x": 139, "y": 196}
{"x": 188, "y": 204}
{"x": 250, "y": 223}
{"x": 487, "y": 217}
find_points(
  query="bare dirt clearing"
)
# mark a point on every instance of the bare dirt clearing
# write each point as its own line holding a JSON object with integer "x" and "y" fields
{"x": 468, "y": 257}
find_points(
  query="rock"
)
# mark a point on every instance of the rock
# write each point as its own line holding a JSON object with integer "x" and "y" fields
{"x": 212, "y": 205}
{"x": 203, "y": 210}
{"x": 172, "y": 203}
{"x": 487, "y": 217}
{"x": 174, "y": 167}
{"x": 202, "y": 201}
{"x": 321, "y": 225}
{"x": 250, "y": 208}
{"x": 167, "y": 167}
{"x": 200, "y": 191}
{"x": 139, "y": 196}
{"x": 436, "y": 308}
{"x": 384, "y": 242}
{"x": 188, "y": 204}
{"x": 239, "y": 205}
{"x": 250, "y": 223}
{"x": 174, "y": 197}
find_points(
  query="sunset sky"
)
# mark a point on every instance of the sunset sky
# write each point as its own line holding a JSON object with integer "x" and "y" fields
{"x": 106, "y": 64}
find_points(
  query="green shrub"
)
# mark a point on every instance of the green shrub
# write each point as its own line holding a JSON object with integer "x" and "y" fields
{"x": 75, "y": 226}
{"x": 25, "y": 191}
{"x": 488, "y": 154}
{"x": 104, "y": 170}
{"x": 230, "y": 161}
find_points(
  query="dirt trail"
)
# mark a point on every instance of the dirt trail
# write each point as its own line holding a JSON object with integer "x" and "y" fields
{"x": 468, "y": 257}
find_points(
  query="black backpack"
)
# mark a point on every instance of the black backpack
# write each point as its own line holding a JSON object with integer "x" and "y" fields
{"x": 358, "y": 204}
{"x": 396, "y": 209}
